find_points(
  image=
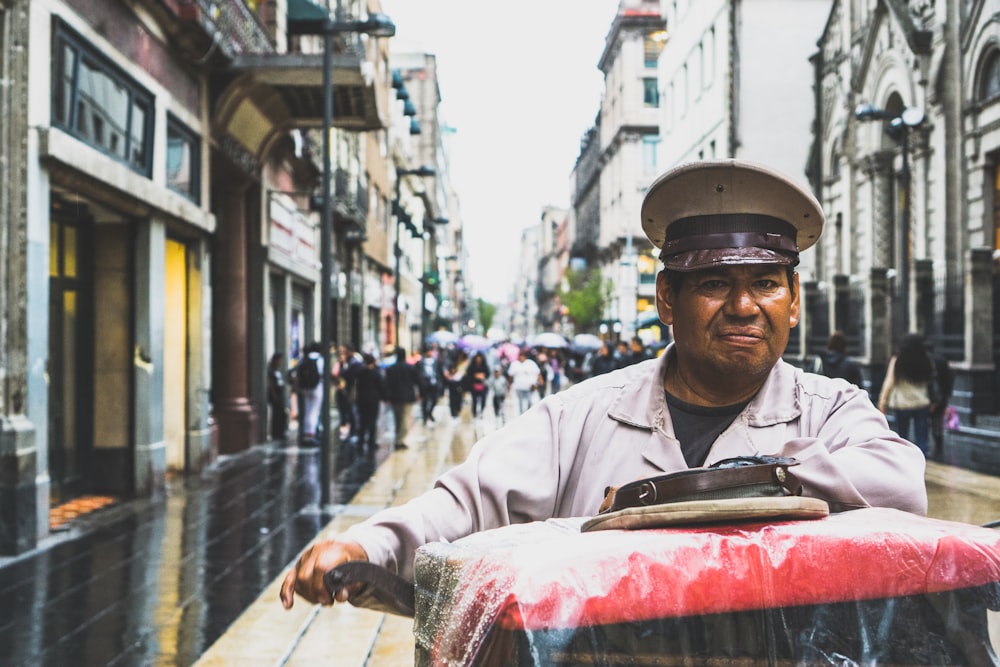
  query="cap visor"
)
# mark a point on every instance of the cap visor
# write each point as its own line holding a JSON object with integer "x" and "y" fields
{"x": 696, "y": 260}
{"x": 727, "y": 510}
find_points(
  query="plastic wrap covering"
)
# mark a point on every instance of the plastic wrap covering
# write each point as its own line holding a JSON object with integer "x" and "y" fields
{"x": 872, "y": 586}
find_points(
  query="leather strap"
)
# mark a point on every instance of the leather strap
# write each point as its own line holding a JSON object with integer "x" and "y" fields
{"x": 384, "y": 591}
{"x": 707, "y": 483}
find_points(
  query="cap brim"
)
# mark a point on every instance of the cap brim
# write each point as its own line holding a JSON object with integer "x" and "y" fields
{"x": 696, "y": 260}
{"x": 727, "y": 510}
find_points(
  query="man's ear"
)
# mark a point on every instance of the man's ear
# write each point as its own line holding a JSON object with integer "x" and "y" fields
{"x": 664, "y": 299}
{"x": 794, "y": 310}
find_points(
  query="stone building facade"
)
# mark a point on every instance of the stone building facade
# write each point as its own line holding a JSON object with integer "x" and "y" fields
{"x": 905, "y": 162}
{"x": 159, "y": 231}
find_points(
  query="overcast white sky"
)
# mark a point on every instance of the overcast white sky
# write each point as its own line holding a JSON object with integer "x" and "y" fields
{"x": 520, "y": 85}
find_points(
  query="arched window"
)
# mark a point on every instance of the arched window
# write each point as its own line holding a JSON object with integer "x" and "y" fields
{"x": 989, "y": 83}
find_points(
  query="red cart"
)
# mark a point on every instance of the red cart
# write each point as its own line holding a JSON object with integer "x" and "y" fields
{"x": 866, "y": 587}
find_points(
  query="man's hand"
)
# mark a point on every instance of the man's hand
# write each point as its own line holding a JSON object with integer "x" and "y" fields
{"x": 306, "y": 577}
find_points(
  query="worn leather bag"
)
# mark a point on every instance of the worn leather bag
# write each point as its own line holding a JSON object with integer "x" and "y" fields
{"x": 736, "y": 489}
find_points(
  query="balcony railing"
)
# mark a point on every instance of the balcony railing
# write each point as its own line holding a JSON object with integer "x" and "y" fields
{"x": 234, "y": 28}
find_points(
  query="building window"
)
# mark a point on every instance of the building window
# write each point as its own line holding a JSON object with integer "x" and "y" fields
{"x": 649, "y": 145}
{"x": 99, "y": 104}
{"x": 652, "y": 45}
{"x": 183, "y": 160}
{"x": 989, "y": 84}
{"x": 650, "y": 93}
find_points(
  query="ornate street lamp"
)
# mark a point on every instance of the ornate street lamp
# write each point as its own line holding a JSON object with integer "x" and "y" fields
{"x": 376, "y": 25}
{"x": 422, "y": 171}
{"x": 898, "y": 128}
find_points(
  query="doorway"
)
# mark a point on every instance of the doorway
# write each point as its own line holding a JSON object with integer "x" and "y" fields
{"x": 69, "y": 439}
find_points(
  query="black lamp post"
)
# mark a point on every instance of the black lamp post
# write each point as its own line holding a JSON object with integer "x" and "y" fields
{"x": 425, "y": 277}
{"x": 397, "y": 208}
{"x": 899, "y": 128}
{"x": 376, "y": 25}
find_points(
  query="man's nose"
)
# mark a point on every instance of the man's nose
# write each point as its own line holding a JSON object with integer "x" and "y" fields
{"x": 741, "y": 301}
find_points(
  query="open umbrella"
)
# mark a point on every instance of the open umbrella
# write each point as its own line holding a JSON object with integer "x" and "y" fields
{"x": 508, "y": 351}
{"x": 442, "y": 337}
{"x": 548, "y": 339}
{"x": 586, "y": 341}
{"x": 474, "y": 343}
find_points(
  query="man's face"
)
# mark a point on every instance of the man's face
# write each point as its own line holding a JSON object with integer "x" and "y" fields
{"x": 730, "y": 320}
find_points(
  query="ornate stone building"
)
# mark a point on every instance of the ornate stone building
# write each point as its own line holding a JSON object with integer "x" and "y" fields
{"x": 905, "y": 162}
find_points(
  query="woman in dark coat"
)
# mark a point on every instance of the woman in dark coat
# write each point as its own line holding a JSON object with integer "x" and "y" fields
{"x": 370, "y": 392}
{"x": 475, "y": 376}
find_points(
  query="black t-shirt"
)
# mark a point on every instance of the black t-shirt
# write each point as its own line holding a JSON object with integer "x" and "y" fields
{"x": 697, "y": 426}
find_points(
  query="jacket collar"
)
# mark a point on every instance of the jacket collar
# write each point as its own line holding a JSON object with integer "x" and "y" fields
{"x": 643, "y": 402}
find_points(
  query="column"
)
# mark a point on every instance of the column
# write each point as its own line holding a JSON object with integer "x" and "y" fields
{"x": 923, "y": 280}
{"x": 235, "y": 413}
{"x": 24, "y": 480}
{"x": 147, "y": 360}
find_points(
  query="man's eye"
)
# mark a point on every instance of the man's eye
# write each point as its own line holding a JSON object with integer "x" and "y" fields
{"x": 767, "y": 284}
{"x": 712, "y": 284}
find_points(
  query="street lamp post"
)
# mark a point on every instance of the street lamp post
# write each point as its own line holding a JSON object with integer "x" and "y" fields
{"x": 376, "y": 25}
{"x": 423, "y": 171}
{"x": 899, "y": 128}
{"x": 425, "y": 277}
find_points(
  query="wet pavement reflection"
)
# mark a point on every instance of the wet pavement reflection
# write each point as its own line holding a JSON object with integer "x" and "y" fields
{"x": 156, "y": 583}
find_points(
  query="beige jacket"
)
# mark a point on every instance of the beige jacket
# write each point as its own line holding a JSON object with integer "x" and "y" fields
{"x": 557, "y": 458}
{"x": 901, "y": 394}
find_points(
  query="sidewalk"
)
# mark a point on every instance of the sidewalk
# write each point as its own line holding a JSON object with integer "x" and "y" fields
{"x": 266, "y": 634}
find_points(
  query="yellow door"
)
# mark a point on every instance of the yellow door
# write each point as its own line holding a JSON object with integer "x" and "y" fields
{"x": 175, "y": 354}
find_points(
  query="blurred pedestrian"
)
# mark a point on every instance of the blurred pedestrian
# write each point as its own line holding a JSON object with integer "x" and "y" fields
{"x": 945, "y": 378}
{"x": 524, "y": 379}
{"x": 308, "y": 377}
{"x": 349, "y": 365}
{"x": 431, "y": 383}
{"x": 637, "y": 351}
{"x": 555, "y": 372}
{"x": 369, "y": 387}
{"x": 454, "y": 383}
{"x": 500, "y": 387}
{"x": 834, "y": 362}
{"x": 905, "y": 390}
{"x": 542, "y": 360}
{"x": 621, "y": 354}
{"x": 402, "y": 385}
{"x": 277, "y": 400}
{"x": 604, "y": 362}
{"x": 476, "y": 376}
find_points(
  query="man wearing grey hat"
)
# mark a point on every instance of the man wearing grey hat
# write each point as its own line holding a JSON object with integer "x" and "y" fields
{"x": 730, "y": 234}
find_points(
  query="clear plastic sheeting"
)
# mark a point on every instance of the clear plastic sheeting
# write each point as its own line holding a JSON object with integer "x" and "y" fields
{"x": 871, "y": 587}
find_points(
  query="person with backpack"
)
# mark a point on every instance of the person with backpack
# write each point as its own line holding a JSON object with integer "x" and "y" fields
{"x": 833, "y": 361}
{"x": 308, "y": 378}
{"x": 431, "y": 381}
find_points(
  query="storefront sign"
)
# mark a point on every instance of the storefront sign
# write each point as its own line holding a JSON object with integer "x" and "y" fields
{"x": 293, "y": 236}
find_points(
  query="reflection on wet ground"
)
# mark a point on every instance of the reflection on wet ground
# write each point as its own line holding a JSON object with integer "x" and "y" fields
{"x": 157, "y": 582}
{"x": 957, "y": 494}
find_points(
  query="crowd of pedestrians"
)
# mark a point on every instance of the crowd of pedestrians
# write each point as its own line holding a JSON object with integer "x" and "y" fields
{"x": 362, "y": 387}
{"x": 915, "y": 393}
